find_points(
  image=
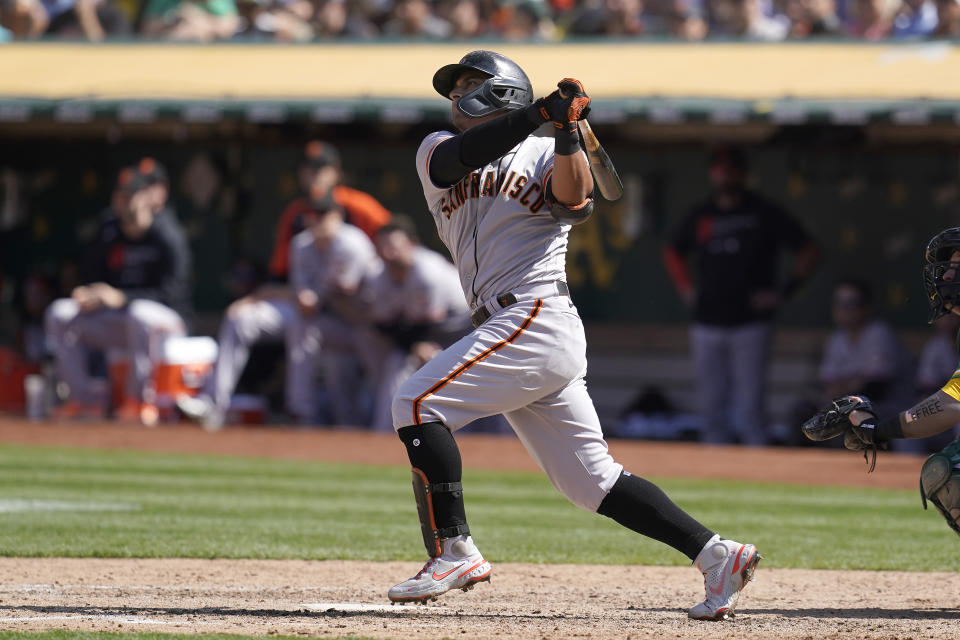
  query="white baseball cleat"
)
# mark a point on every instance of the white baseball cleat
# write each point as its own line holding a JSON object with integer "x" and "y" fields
{"x": 460, "y": 567}
{"x": 726, "y": 566}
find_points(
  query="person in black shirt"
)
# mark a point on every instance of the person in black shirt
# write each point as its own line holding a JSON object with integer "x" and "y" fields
{"x": 736, "y": 238}
{"x": 133, "y": 292}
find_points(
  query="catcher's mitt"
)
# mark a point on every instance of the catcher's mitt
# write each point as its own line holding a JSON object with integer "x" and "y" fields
{"x": 834, "y": 421}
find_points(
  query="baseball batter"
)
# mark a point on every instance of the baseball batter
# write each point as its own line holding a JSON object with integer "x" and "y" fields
{"x": 854, "y": 417}
{"x": 503, "y": 200}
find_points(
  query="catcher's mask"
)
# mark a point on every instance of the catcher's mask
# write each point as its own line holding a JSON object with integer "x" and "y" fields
{"x": 937, "y": 264}
{"x": 506, "y": 88}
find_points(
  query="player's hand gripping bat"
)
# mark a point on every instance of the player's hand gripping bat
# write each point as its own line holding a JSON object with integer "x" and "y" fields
{"x": 604, "y": 173}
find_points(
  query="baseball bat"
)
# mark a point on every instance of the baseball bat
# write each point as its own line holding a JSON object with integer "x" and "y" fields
{"x": 601, "y": 166}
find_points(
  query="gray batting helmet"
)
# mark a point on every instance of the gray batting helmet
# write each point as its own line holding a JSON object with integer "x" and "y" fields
{"x": 507, "y": 87}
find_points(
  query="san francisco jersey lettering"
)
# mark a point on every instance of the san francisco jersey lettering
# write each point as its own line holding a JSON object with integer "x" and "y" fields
{"x": 495, "y": 221}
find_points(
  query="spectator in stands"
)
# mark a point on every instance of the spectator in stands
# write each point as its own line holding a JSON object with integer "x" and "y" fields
{"x": 132, "y": 295}
{"x": 23, "y": 18}
{"x": 465, "y": 19}
{"x": 863, "y": 354}
{"x": 915, "y": 19}
{"x": 415, "y": 19}
{"x": 746, "y": 19}
{"x": 192, "y": 20}
{"x": 90, "y": 19}
{"x": 737, "y": 238}
{"x": 417, "y": 308}
{"x": 276, "y": 20}
{"x": 684, "y": 20}
{"x": 615, "y": 18}
{"x": 527, "y": 21}
{"x": 266, "y": 315}
{"x": 871, "y": 19}
{"x": 813, "y": 18}
{"x": 948, "y": 19}
{"x": 337, "y": 18}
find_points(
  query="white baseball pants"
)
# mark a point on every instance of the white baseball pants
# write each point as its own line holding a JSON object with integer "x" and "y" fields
{"x": 527, "y": 361}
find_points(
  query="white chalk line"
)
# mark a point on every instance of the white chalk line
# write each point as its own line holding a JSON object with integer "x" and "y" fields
{"x": 21, "y": 505}
{"x": 363, "y": 606}
{"x": 108, "y": 617}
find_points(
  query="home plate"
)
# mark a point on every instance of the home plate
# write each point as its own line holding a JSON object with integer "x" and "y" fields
{"x": 360, "y": 606}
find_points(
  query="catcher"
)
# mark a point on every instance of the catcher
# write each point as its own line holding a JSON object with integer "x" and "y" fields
{"x": 853, "y": 417}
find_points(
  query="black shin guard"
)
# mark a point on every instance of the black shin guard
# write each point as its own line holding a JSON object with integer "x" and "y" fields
{"x": 643, "y": 507}
{"x": 437, "y": 472}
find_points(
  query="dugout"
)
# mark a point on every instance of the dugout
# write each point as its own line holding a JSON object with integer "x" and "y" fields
{"x": 860, "y": 141}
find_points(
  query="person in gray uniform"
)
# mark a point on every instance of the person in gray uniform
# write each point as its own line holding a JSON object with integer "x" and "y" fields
{"x": 417, "y": 308}
{"x": 329, "y": 260}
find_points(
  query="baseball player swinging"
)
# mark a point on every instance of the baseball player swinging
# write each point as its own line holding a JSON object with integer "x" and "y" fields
{"x": 854, "y": 418}
{"x": 503, "y": 200}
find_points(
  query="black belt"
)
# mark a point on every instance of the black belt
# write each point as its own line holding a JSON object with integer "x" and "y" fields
{"x": 483, "y": 314}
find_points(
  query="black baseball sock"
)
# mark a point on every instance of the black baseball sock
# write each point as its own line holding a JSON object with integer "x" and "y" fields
{"x": 432, "y": 449}
{"x": 643, "y": 507}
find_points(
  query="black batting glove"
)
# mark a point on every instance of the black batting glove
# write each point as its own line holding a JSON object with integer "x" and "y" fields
{"x": 565, "y": 106}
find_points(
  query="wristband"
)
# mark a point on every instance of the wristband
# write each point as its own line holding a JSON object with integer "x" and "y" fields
{"x": 889, "y": 428}
{"x": 565, "y": 142}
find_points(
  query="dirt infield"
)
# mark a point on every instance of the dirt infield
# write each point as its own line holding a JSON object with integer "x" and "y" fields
{"x": 344, "y": 599}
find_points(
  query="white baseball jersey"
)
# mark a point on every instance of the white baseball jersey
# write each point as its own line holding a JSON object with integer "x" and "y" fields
{"x": 496, "y": 221}
{"x": 431, "y": 290}
{"x": 343, "y": 264}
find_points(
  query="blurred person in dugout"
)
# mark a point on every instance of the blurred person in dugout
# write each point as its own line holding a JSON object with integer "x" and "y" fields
{"x": 321, "y": 308}
{"x": 154, "y": 175}
{"x": 133, "y": 293}
{"x": 863, "y": 355}
{"x": 736, "y": 238}
{"x": 417, "y": 308}
{"x": 265, "y": 315}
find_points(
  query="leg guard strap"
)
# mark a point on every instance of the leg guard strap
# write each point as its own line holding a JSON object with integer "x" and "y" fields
{"x": 424, "y": 492}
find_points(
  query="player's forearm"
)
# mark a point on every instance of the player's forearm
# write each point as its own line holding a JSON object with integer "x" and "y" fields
{"x": 571, "y": 181}
{"x": 930, "y": 416}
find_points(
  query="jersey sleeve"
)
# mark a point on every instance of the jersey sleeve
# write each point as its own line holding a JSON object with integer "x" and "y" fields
{"x": 952, "y": 388}
{"x": 432, "y": 192}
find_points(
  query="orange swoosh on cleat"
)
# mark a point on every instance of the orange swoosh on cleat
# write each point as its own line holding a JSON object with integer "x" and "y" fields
{"x": 471, "y": 568}
{"x": 736, "y": 565}
{"x": 444, "y": 575}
